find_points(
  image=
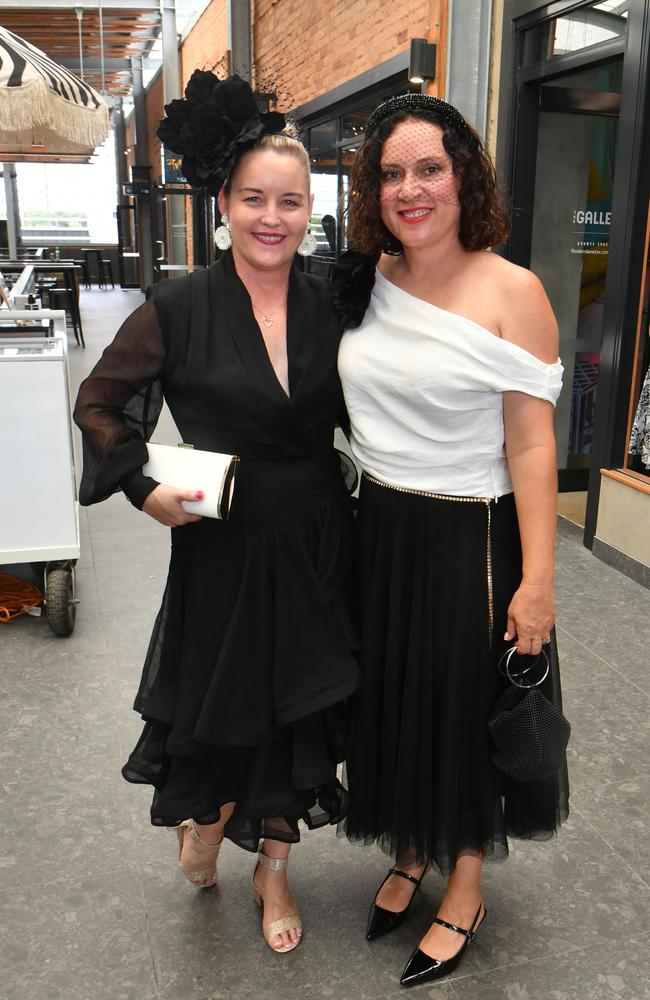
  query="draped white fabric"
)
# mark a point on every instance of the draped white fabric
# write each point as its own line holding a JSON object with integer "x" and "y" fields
{"x": 45, "y": 105}
{"x": 424, "y": 392}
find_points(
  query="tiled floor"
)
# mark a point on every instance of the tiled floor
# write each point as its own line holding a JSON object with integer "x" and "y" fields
{"x": 91, "y": 907}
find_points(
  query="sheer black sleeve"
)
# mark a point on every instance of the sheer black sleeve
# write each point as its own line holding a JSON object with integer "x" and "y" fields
{"x": 117, "y": 410}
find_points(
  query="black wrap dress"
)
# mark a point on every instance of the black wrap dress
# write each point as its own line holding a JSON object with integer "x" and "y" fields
{"x": 251, "y": 658}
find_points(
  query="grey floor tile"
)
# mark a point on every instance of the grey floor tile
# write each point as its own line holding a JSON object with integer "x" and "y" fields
{"x": 90, "y": 892}
{"x": 115, "y": 513}
{"x": 63, "y": 808}
{"x": 620, "y": 813}
{"x": 202, "y": 939}
{"x": 116, "y": 545}
{"x": 610, "y": 971}
{"x": 65, "y": 818}
{"x": 136, "y": 583}
{"x": 610, "y": 719}
{"x": 605, "y": 610}
{"x": 78, "y": 939}
{"x": 550, "y": 898}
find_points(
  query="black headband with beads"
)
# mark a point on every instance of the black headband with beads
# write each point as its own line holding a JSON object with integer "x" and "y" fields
{"x": 447, "y": 113}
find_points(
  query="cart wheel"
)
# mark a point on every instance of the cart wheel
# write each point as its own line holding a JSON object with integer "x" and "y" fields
{"x": 59, "y": 601}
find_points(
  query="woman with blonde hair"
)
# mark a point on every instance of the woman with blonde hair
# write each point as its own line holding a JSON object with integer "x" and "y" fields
{"x": 250, "y": 660}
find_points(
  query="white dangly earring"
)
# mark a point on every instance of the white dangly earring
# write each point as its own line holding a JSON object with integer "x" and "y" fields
{"x": 308, "y": 244}
{"x": 222, "y": 236}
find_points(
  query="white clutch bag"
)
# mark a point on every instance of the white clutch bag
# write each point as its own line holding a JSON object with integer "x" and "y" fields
{"x": 187, "y": 468}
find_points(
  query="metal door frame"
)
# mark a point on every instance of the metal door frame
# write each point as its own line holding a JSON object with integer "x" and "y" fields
{"x": 516, "y": 159}
{"x": 202, "y": 228}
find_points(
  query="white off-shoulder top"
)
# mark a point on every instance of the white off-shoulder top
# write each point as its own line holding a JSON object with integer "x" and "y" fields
{"x": 424, "y": 392}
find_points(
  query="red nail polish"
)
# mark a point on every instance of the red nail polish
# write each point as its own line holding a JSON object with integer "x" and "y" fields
{"x": 200, "y": 494}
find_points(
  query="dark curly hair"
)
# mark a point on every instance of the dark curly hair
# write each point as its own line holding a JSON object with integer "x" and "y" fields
{"x": 483, "y": 219}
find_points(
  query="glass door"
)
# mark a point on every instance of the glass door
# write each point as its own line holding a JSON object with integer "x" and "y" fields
{"x": 128, "y": 252}
{"x": 182, "y": 228}
{"x": 568, "y": 171}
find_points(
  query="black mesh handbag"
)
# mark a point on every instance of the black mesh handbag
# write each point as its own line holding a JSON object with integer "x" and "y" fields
{"x": 529, "y": 733}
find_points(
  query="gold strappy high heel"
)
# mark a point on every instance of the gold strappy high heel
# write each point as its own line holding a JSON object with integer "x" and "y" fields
{"x": 288, "y": 923}
{"x": 193, "y": 875}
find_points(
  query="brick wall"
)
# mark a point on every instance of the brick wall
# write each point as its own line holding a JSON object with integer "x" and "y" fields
{"x": 205, "y": 47}
{"x": 304, "y": 48}
{"x": 154, "y": 114}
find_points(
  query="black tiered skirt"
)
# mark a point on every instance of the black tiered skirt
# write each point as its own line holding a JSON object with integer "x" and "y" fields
{"x": 251, "y": 660}
{"x": 419, "y": 772}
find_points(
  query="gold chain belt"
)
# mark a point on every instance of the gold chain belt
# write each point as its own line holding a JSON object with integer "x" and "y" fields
{"x": 487, "y": 502}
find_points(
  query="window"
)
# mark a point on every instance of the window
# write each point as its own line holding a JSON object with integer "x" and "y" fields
{"x": 577, "y": 31}
{"x": 332, "y": 143}
{"x": 62, "y": 202}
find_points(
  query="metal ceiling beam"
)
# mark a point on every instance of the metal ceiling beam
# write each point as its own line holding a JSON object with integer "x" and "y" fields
{"x": 92, "y": 65}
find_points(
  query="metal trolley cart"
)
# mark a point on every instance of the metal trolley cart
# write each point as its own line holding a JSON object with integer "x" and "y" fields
{"x": 39, "y": 511}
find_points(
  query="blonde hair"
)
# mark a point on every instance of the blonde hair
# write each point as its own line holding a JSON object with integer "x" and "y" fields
{"x": 286, "y": 142}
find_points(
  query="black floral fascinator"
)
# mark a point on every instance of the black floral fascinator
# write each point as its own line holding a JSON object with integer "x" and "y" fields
{"x": 213, "y": 125}
{"x": 352, "y": 284}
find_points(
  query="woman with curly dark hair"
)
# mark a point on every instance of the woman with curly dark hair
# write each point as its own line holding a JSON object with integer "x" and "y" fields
{"x": 251, "y": 657}
{"x": 450, "y": 372}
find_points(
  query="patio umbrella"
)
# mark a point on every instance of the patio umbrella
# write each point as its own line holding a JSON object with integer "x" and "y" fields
{"x": 44, "y": 107}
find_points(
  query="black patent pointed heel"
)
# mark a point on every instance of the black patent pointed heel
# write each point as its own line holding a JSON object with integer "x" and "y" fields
{"x": 381, "y": 921}
{"x": 421, "y": 968}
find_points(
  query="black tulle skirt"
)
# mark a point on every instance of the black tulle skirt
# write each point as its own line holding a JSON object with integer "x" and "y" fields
{"x": 251, "y": 660}
{"x": 419, "y": 772}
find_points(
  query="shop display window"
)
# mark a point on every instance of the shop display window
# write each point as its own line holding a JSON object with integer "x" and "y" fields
{"x": 577, "y": 127}
{"x": 637, "y": 458}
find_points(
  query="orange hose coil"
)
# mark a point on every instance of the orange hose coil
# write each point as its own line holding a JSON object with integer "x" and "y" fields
{"x": 17, "y": 597}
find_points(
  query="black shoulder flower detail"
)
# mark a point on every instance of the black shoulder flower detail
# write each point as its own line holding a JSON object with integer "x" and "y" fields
{"x": 352, "y": 284}
{"x": 215, "y": 122}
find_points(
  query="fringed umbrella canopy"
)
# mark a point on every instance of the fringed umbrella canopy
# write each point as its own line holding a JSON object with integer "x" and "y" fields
{"x": 44, "y": 107}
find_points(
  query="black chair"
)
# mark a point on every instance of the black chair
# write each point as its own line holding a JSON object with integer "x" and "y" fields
{"x": 96, "y": 254}
{"x": 85, "y": 273}
{"x": 43, "y": 288}
{"x": 62, "y": 298}
{"x": 107, "y": 268}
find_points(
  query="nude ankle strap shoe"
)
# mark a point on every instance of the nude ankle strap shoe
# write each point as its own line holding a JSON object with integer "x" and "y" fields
{"x": 197, "y": 875}
{"x": 288, "y": 923}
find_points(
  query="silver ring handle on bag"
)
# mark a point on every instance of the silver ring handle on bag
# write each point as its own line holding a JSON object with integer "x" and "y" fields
{"x": 504, "y": 668}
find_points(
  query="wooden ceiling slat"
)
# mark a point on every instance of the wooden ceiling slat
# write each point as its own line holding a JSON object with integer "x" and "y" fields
{"x": 120, "y": 39}
{"x": 127, "y": 32}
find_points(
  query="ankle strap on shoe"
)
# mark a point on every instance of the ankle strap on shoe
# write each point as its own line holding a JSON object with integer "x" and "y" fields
{"x": 410, "y": 878}
{"x": 470, "y": 935}
{"x": 188, "y": 825}
{"x": 274, "y": 864}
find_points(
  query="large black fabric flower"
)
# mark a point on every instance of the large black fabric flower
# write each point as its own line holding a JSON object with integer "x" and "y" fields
{"x": 215, "y": 123}
{"x": 352, "y": 284}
